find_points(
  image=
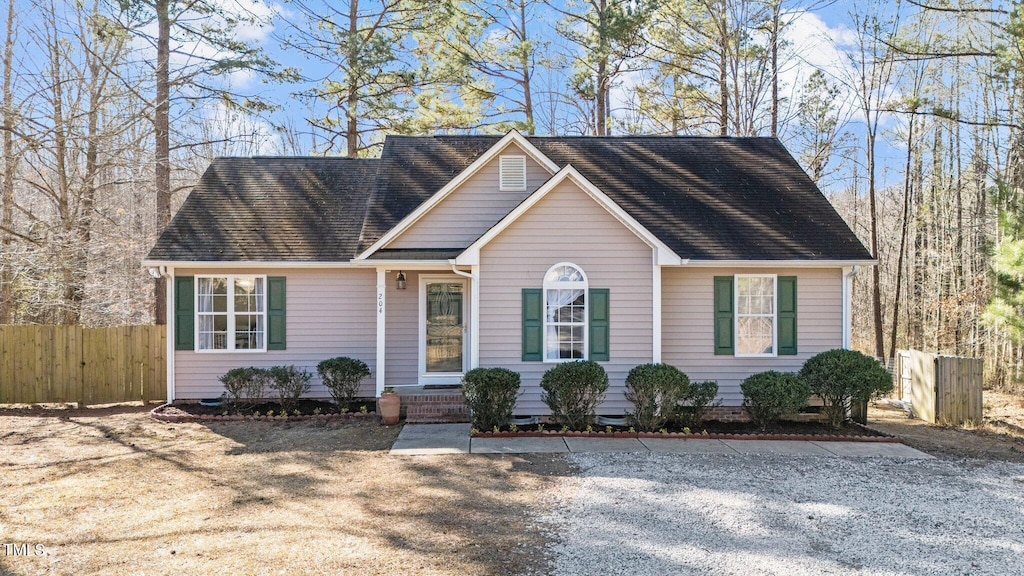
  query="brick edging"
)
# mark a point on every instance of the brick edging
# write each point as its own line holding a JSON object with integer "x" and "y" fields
{"x": 157, "y": 415}
{"x": 690, "y": 436}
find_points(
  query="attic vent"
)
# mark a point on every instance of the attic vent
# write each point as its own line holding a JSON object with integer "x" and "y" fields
{"x": 513, "y": 173}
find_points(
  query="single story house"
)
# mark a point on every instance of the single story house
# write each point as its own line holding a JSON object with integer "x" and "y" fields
{"x": 717, "y": 255}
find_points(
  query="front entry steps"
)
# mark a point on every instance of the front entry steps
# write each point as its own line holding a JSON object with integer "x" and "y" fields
{"x": 449, "y": 407}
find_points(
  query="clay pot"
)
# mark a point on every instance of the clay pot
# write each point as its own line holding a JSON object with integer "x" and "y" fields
{"x": 390, "y": 406}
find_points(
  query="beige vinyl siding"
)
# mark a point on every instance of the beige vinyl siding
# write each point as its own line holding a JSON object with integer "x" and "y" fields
{"x": 329, "y": 313}
{"x": 688, "y": 329}
{"x": 566, "y": 226}
{"x": 469, "y": 211}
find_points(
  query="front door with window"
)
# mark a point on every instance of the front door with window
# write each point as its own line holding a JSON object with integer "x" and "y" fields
{"x": 443, "y": 306}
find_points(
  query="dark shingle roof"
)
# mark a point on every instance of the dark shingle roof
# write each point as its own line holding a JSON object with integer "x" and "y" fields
{"x": 271, "y": 209}
{"x": 706, "y": 198}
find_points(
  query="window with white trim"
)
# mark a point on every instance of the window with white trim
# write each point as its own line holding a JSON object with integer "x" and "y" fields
{"x": 231, "y": 313}
{"x": 565, "y": 313}
{"x": 512, "y": 173}
{"x": 756, "y": 308}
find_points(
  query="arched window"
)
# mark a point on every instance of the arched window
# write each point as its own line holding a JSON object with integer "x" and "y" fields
{"x": 565, "y": 313}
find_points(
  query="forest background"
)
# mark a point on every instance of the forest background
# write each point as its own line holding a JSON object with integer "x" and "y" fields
{"x": 909, "y": 115}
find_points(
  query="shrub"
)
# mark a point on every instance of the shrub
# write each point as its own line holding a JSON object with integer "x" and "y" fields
{"x": 341, "y": 376}
{"x": 697, "y": 402}
{"x": 654, "y": 390}
{"x": 768, "y": 396}
{"x": 842, "y": 377}
{"x": 491, "y": 394}
{"x": 243, "y": 386}
{"x": 572, "y": 391}
{"x": 290, "y": 383}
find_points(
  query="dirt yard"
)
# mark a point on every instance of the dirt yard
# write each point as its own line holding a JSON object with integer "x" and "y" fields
{"x": 999, "y": 437}
{"x": 114, "y": 492}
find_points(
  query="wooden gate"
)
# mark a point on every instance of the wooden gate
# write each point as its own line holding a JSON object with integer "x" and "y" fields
{"x": 941, "y": 389}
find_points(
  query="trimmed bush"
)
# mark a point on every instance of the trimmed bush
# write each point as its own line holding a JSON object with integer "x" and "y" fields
{"x": 290, "y": 383}
{"x": 697, "y": 402}
{"x": 243, "y": 386}
{"x": 768, "y": 396}
{"x": 572, "y": 391}
{"x": 842, "y": 377}
{"x": 341, "y": 376}
{"x": 491, "y": 394}
{"x": 654, "y": 390}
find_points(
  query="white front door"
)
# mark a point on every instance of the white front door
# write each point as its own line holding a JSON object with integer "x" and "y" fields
{"x": 443, "y": 305}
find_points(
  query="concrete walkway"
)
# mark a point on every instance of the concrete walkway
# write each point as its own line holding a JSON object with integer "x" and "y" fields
{"x": 423, "y": 439}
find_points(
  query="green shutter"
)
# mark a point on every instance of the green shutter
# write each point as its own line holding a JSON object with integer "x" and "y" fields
{"x": 276, "y": 325}
{"x": 787, "y": 315}
{"x": 723, "y": 315}
{"x": 184, "y": 313}
{"x": 598, "y": 339}
{"x": 533, "y": 325}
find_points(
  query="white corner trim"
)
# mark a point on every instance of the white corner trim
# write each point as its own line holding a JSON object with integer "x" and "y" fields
{"x": 474, "y": 319}
{"x": 663, "y": 254}
{"x": 656, "y": 314}
{"x": 512, "y": 137}
{"x": 169, "y": 333}
{"x": 381, "y": 317}
{"x": 848, "y": 273}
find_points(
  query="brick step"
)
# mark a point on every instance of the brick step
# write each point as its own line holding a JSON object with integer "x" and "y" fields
{"x": 437, "y": 412}
{"x": 420, "y": 399}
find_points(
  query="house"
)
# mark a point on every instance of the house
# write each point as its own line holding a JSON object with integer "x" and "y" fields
{"x": 717, "y": 255}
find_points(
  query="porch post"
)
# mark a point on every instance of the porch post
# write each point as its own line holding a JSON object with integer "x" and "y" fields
{"x": 381, "y": 289}
{"x": 474, "y": 317}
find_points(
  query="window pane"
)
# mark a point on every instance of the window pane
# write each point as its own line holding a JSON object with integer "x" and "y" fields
{"x": 754, "y": 335}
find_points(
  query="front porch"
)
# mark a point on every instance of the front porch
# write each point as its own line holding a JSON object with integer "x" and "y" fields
{"x": 425, "y": 338}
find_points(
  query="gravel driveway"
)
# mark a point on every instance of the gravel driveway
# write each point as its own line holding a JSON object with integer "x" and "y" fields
{"x": 718, "y": 514}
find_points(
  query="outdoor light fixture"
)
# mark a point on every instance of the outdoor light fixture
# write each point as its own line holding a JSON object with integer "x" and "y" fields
{"x": 400, "y": 280}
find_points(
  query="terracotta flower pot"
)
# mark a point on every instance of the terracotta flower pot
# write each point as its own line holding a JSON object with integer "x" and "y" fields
{"x": 390, "y": 406}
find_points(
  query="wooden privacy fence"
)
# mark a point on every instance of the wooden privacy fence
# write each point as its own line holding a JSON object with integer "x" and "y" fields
{"x": 85, "y": 365}
{"x": 940, "y": 389}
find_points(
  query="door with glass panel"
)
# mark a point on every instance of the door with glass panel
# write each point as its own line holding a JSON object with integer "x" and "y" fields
{"x": 442, "y": 330}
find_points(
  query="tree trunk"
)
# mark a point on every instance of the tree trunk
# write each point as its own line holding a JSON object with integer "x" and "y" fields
{"x": 776, "y": 7}
{"x": 10, "y": 167}
{"x": 161, "y": 129}
{"x": 531, "y": 127}
{"x": 352, "y": 91}
{"x": 903, "y": 239}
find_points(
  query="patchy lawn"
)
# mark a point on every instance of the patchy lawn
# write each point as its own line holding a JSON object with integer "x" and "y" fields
{"x": 1000, "y": 436}
{"x": 112, "y": 491}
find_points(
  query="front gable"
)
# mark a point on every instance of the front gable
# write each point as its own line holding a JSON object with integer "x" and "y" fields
{"x": 590, "y": 209}
{"x": 462, "y": 208}
{"x": 475, "y": 205}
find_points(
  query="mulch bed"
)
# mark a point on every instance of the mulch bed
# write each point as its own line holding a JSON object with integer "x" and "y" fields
{"x": 713, "y": 430}
{"x": 308, "y": 410}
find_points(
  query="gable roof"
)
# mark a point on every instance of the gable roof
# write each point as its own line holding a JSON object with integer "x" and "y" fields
{"x": 706, "y": 198}
{"x": 271, "y": 209}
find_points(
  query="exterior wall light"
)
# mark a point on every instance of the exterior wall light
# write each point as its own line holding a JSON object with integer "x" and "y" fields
{"x": 400, "y": 280}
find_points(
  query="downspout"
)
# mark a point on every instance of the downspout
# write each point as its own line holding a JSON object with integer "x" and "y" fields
{"x": 474, "y": 315}
{"x": 164, "y": 272}
{"x": 848, "y": 274}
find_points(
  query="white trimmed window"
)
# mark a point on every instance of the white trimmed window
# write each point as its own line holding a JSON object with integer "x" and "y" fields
{"x": 565, "y": 313}
{"x": 231, "y": 313}
{"x": 512, "y": 175}
{"x": 756, "y": 309}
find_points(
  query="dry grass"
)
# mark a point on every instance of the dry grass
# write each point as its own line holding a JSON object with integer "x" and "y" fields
{"x": 115, "y": 492}
{"x": 1000, "y": 436}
